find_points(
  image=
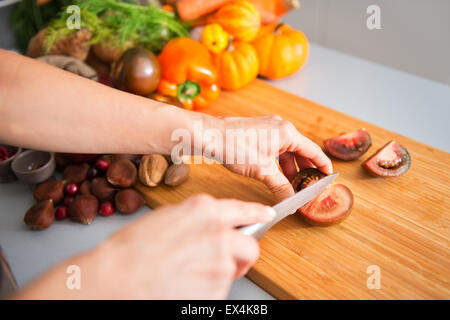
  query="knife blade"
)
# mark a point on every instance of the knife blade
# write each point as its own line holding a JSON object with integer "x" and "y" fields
{"x": 289, "y": 206}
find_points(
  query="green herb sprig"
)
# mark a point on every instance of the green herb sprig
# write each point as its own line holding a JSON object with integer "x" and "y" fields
{"x": 120, "y": 23}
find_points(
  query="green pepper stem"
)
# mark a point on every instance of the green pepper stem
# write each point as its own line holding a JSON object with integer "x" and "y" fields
{"x": 188, "y": 90}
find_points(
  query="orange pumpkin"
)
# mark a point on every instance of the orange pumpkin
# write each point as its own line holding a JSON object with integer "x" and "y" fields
{"x": 239, "y": 18}
{"x": 237, "y": 66}
{"x": 282, "y": 51}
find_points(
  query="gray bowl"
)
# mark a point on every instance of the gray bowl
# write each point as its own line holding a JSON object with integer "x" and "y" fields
{"x": 6, "y": 174}
{"x": 34, "y": 166}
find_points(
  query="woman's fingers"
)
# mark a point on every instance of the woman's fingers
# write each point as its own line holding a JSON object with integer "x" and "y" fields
{"x": 302, "y": 162}
{"x": 287, "y": 164}
{"x": 309, "y": 150}
{"x": 245, "y": 251}
{"x": 277, "y": 183}
{"x": 237, "y": 213}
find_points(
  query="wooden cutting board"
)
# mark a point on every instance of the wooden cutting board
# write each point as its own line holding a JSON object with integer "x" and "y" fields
{"x": 399, "y": 225}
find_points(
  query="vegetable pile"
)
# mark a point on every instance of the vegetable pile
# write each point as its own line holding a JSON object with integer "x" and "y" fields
{"x": 122, "y": 40}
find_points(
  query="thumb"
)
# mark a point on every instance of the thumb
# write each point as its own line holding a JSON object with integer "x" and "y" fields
{"x": 277, "y": 183}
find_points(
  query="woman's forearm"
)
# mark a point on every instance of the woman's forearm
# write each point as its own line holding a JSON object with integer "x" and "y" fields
{"x": 43, "y": 107}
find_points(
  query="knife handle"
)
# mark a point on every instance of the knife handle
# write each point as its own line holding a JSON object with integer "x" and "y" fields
{"x": 257, "y": 230}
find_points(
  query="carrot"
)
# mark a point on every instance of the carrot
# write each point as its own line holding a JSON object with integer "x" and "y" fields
{"x": 193, "y": 9}
{"x": 271, "y": 10}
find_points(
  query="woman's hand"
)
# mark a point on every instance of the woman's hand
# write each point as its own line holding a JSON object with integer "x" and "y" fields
{"x": 287, "y": 143}
{"x": 186, "y": 251}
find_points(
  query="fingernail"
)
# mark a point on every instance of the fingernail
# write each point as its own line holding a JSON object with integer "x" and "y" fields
{"x": 271, "y": 212}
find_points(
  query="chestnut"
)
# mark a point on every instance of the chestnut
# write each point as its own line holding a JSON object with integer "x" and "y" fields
{"x": 122, "y": 173}
{"x": 51, "y": 189}
{"x": 76, "y": 173}
{"x": 83, "y": 209}
{"x": 176, "y": 174}
{"x": 85, "y": 187}
{"x": 128, "y": 201}
{"x": 102, "y": 189}
{"x": 41, "y": 215}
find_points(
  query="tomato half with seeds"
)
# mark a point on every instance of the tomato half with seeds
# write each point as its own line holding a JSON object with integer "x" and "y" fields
{"x": 306, "y": 177}
{"x": 392, "y": 160}
{"x": 330, "y": 207}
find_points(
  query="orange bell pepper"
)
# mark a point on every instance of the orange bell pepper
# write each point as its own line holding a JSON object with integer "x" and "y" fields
{"x": 188, "y": 73}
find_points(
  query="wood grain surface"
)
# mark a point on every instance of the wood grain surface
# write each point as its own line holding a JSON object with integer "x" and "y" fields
{"x": 400, "y": 225}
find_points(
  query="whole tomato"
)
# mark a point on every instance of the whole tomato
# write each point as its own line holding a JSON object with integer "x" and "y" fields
{"x": 137, "y": 71}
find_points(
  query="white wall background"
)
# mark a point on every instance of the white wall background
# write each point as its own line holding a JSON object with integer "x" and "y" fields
{"x": 414, "y": 35}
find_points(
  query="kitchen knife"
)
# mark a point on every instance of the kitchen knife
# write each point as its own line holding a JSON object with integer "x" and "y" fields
{"x": 289, "y": 206}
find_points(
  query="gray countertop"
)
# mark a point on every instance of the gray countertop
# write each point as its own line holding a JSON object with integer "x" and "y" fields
{"x": 412, "y": 106}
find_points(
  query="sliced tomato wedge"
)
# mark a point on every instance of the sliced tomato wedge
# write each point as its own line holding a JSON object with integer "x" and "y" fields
{"x": 349, "y": 146}
{"x": 392, "y": 160}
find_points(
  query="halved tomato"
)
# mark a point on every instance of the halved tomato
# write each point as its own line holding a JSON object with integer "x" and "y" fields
{"x": 330, "y": 207}
{"x": 349, "y": 146}
{"x": 392, "y": 160}
{"x": 306, "y": 177}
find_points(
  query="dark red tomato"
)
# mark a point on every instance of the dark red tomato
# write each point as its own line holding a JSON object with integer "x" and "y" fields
{"x": 137, "y": 71}
{"x": 349, "y": 146}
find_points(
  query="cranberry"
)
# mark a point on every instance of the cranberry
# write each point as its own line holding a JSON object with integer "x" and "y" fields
{"x": 61, "y": 213}
{"x": 67, "y": 200}
{"x": 71, "y": 189}
{"x": 106, "y": 80}
{"x": 107, "y": 208}
{"x": 92, "y": 173}
{"x": 3, "y": 151}
{"x": 102, "y": 165}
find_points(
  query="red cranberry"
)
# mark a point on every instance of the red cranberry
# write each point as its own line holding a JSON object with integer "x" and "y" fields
{"x": 67, "y": 200}
{"x": 3, "y": 151}
{"x": 107, "y": 208}
{"x": 71, "y": 189}
{"x": 102, "y": 165}
{"x": 92, "y": 173}
{"x": 61, "y": 213}
{"x": 106, "y": 80}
